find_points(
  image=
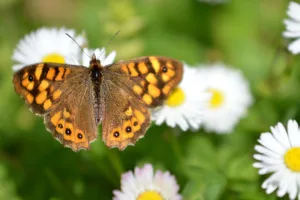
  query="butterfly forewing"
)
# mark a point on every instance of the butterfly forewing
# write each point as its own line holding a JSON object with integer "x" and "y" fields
{"x": 63, "y": 95}
{"x": 151, "y": 79}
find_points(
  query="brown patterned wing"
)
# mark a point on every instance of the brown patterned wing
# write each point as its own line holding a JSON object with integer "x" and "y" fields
{"x": 152, "y": 78}
{"x": 129, "y": 88}
{"x": 125, "y": 119}
{"x": 63, "y": 95}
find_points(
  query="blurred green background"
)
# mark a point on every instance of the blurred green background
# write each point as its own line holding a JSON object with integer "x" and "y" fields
{"x": 244, "y": 34}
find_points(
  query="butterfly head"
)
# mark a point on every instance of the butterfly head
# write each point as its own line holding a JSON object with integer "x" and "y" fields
{"x": 96, "y": 68}
{"x": 95, "y": 63}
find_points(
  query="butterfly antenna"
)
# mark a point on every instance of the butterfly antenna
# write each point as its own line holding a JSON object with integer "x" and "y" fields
{"x": 78, "y": 45}
{"x": 111, "y": 39}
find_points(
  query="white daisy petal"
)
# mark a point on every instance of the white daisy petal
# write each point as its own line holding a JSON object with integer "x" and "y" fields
{"x": 144, "y": 182}
{"x": 278, "y": 153}
{"x": 293, "y": 27}
{"x": 185, "y": 105}
{"x": 47, "y": 45}
{"x": 230, "y": 96}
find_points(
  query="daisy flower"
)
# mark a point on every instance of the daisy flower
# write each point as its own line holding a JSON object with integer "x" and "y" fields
{"x": 293, "y": 27}
{"x": 47, "y": 45}
{"x": 184, "y": 106}
{"x": 144, "y": 184}
{"x": 230, "y": 97}
{"x": 100, "y": 55}
{"x": 278, "y": 153}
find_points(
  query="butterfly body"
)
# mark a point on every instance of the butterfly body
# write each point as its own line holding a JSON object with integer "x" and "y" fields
{"x": 75, "y": 99}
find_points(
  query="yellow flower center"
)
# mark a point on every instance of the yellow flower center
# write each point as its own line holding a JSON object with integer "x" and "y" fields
{"x": 150, "y": 195}
{"x": 176, "y": 98}
{"x": 292, "y": 159}
{"x": 54, "y": 57}
{"x": 217, "y": 98}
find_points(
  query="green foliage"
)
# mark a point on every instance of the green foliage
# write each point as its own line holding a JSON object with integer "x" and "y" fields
{"x": 244, "y": 34}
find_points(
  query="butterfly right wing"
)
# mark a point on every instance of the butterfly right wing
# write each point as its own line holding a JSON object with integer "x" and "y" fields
{"x": 63, "y": 95}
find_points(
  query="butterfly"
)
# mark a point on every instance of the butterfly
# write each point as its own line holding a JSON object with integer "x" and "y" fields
{"x": 75, "y": 99}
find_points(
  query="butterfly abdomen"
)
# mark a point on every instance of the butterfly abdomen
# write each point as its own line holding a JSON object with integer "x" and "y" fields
{"x": 96, "y": 74}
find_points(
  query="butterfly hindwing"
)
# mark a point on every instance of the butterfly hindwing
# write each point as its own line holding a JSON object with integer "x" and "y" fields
{"x": 63, "y": 95}
{"x": 125, "y": 120}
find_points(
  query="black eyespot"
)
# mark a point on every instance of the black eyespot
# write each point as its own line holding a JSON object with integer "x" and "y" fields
{"x": 164, "y": 69}
{"x": 68, "y": 131}
{"x": 60, "y": 126}
{"x": 30, "y": 78}
{"x": 116, "y": 134}
{"x": 79, "y": 135}
{"x": 128, "y": 129}
{"x": 135, "y": 123}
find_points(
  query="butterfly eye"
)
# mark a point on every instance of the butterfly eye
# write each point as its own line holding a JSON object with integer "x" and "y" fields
{"x": 30, "y": 78}
{"x": 128, "y": 129}
{"x": 164, "y": 69}
{"x": 116, "y": 134}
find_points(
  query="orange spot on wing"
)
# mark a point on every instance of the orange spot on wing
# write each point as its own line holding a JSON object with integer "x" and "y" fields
{"x": 54, "y": 119}
{"x": 30, "y": 86}
{"x": 66, "y": 114}
{"x": 43, "y": 85}
{"x": 153, "y": 91}
{"x": 60, "y": 74}
{"x": 29, "y": 98}
{"x": 127, "y": 134}
{"x": 132, "y": 70}
{"x": 151, "y": 78}
{"x": 41, "y": 97}
{"x": 68, "y": 71}
{"x": 25, "y": 82}
{"x": 56, "y": 94}
{"x": 124, "y": 68}
{"x": 60, "y": 127}
{"x": 135, "y": 124}
{"x": 47, "y": 104}
{"x": 38, "y": 71}
{"x": 69, "y": 132}
{"x": 50, "y": 73}
{"x": 147, "y": 99}
{"x": 166, "y": 89}
{"x": 137, "y": 89}
{"x": 155, "y": 64}
{"x": 80, "y": 136}
{"x": 128, "y": 112}
{"x": 142, "y": 68}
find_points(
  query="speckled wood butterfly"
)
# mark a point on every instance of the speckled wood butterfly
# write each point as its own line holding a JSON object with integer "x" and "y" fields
{"x": 75, "y": 99}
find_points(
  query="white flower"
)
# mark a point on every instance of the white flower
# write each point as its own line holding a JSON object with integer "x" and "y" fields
{"x": 230, "y": 97}
{"x": 279, "y": 153}
{"x": 293, "y": 27}
{"x": 144, "y": 184}
{"x": 184, "y": 106}
{"x": 100, "y": 55}
{"x": 47, "y": 45}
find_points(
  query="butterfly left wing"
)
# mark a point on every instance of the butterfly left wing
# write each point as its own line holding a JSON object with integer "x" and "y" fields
{"x": 131, "y": 88}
